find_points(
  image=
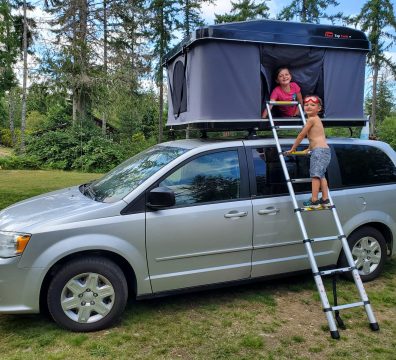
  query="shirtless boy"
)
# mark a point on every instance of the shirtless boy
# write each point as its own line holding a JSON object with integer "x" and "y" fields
{"x": 320, "y": 151}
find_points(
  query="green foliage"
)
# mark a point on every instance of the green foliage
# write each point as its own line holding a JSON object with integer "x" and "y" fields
{"x": 85, "y": 149}
{"x": 6, "y": 137}
{"x": 19, "y": 163}
{"x": 243, "y": 10}
{"x": 99, "y": 154}
{"x": 308, "y": 11}
{"x": 385, "y": 100}
{"x": 387, "y": 131}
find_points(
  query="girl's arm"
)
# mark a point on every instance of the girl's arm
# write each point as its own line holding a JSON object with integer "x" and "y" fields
{"x": 300, "y": 100}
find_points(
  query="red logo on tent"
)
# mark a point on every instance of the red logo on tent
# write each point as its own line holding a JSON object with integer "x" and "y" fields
{"x": 329, "y": 34}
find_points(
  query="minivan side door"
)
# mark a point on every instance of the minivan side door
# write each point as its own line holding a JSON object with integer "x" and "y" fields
{"x": 207, "y": 236}
{"x": 277, "y": 237}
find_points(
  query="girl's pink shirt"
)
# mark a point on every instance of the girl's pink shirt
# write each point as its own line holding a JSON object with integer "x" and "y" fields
{"x": 279, "y": 95}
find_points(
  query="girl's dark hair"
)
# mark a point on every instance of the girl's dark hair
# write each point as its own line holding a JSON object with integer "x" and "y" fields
{"x": 279, "y": 69}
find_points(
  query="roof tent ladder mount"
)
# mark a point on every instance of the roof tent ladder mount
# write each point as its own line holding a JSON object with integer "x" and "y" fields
{"x": 327, "y": 308}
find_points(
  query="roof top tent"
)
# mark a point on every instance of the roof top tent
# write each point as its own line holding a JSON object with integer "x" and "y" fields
{"x": 221, "y": 75}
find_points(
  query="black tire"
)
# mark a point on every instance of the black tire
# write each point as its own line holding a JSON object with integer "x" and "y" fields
{"x": 369, "y": 252}
{"x": 75, "y": 306}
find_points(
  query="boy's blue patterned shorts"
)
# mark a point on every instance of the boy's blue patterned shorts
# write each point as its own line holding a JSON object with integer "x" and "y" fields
{"x": 320, "y": 159}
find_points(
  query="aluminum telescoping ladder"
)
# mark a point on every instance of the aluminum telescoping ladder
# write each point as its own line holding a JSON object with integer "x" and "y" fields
{"x": 317, "y": 274}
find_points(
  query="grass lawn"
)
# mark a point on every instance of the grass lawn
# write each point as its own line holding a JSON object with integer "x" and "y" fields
{"x": 268, "y": 320}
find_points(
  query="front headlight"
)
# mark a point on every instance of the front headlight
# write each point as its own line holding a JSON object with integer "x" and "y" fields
{"x": 12, "y": 244}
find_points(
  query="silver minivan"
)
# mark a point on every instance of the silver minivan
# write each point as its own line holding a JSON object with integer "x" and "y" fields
{"x": 189, "y": 214}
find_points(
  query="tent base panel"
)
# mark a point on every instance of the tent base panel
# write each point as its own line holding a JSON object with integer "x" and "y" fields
{"x": 264, "y": 124}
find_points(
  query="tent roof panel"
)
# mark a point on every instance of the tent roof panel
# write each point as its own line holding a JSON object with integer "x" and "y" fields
{"x": 278, "y": 32}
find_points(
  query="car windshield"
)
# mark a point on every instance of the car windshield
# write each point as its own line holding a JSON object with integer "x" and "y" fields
{"x": 131, "y": 173}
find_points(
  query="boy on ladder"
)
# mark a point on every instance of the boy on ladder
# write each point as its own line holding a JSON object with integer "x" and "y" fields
{"x": 320, "y": 152}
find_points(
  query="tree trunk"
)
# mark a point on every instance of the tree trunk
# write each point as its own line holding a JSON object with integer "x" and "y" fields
{"x": 161, "y": 77}
{"x": 104, "y": 120}
{"x": 303, "y": 11}
{"x": 24, "y": 81}
{"x": 374, "y": 101}
{"x": 11, "y": 114}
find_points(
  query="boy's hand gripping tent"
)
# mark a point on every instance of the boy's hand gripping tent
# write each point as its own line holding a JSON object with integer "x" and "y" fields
{"x": 221, "y": 75}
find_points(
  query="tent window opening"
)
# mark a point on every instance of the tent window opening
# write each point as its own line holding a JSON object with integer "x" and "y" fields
{"x": 179, "y": 96}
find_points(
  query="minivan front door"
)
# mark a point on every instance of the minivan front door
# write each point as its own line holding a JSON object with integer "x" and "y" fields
{"x": 206, "y": 237}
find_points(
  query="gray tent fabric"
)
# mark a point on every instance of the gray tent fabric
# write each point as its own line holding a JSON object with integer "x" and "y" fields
{"x": 344, "y": 84}
{"x": 223, "y": 83}
{"x": 229, "y": 82}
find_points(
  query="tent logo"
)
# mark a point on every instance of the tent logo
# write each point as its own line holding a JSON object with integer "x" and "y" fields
{"x": 330, "y": 34}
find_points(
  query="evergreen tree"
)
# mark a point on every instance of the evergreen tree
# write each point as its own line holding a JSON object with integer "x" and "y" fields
{"x": 244, "y": 10}
{"x": 377, "y": 19}
{"x": 8, "y": 48}
{"x": 385, "y": 99}
{"x": 308, "y": 11}
{"x": 163, "y": 22}
{"x": 75, "y": 37}
{"x": 191, "y": 12}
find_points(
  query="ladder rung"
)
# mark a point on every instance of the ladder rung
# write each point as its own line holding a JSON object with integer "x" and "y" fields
{"x": 304, "y": 209}
{"x": 288, "y": 127}
{"x": 326, "y": 238}
{"x": 347, "y": 306}
{"x": 283, "y": 103}
{"x": 299, "y": 153}
{"x": 302, "y": 180}
{"x": 336, "y": 271}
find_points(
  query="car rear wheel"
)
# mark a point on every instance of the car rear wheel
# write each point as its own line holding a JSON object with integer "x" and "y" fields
{"x": 368, "y": 247}
{"x": 87, "y": 294}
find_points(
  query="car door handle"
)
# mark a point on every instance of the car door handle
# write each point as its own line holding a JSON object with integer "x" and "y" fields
{"x": 269, "y": 211}
{"x": 235, "y": 214}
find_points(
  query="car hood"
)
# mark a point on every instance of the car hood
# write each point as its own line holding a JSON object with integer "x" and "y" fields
{"x": 61, "y": 204}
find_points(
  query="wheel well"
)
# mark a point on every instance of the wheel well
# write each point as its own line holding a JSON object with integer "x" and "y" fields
{"x": 384, "y": 230}
{"x": 119, "y": 260}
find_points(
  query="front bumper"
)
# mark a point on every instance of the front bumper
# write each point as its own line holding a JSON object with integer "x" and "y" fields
{"x": 19, "y": 287}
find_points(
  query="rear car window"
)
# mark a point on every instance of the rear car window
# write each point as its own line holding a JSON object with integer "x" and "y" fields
{"x": 270, "y": 179}
{"x": 363, "y": 165}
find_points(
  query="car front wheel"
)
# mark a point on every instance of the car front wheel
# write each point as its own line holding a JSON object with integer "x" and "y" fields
{"x": 369, "y": 251}
{"x": 87, "y": 294}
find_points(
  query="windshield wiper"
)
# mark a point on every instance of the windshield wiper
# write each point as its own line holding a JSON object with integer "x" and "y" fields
{"x": 88, "y": 191}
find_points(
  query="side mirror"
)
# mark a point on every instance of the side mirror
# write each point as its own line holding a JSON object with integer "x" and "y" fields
{"x": 160, "y": 197}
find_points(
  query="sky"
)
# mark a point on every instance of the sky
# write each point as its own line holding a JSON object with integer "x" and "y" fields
{"x": 348, "y": 7}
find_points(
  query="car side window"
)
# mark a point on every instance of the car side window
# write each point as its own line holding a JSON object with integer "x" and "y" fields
{"x": 270, "y": 179}
{"x": 207, "y": 178}
{"x": 362, "y": 165}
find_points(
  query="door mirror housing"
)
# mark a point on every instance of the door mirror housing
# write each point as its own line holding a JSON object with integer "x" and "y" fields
{"x": 160, "y": 198}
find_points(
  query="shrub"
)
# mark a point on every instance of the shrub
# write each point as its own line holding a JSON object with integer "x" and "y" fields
{"x": 387, "y": 131}
{"x": 19, "y": 163}
{"x": 6, "y": 138}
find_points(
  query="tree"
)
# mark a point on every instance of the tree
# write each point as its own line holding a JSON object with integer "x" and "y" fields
{"x": 385, "y": 99}
{"x": 75, "y": 25}
{"x": 244, "y": 10}
{"x": 163, "y": 22}
{"x": 377, "y": 18}
{"x": 191, "y": 14}
{"x": 308, "y": 10}
{"x": 8, "y": 48}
